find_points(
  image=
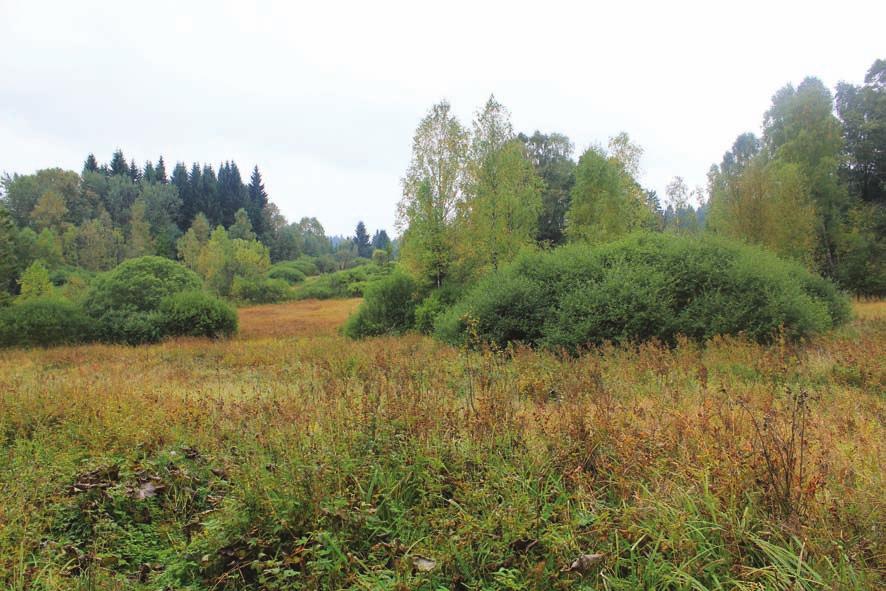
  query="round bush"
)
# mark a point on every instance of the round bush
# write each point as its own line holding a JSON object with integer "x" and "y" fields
{"x": 42, "y": 322}
{"x": 139, "y": 284}
{"x": 260, "y": 291}
{"x": 289, "y": 274}
{"x": 646, "y": 286}
{"x": 388, "y": 308}
{"x": 198, "y": 314}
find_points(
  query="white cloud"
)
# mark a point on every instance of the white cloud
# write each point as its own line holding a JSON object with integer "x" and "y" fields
{"x": 324, "y": 97}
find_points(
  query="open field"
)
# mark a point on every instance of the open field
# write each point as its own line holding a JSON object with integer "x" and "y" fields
{"x": 292, "y": 458}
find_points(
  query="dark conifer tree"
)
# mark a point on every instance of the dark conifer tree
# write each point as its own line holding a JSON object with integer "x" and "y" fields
{"x": 134, "y": 173}
{"x": 209, "y": 195}
{"x": 361, "y": 240}
{"x": 188, "y": 208}
{"x": 118, "y": 164}
{"x": 160, "y": 173}
{"x": 149, "y": 175}
{"x": 381, "y": 240}
{"x": 91, "y": 164}
{"x": 257, "y": 202}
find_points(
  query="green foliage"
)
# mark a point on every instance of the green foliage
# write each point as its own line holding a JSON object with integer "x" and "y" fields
{"x": 260, "y": 290}
{"x": 644, "y": 287}
{"x": 44, "y": 321}
{"x": 349, "y": 283}
{"x": 607, "y": 203}
{"x": 388, "y": 308}
{"x": 139, "y": 285}
{"x": 198, "y": 314}
{"x": 130, "y": 326}
{"x": 289, "y": 271}
{"x": 34, "y": 282}
{"x": 435, "y": 304}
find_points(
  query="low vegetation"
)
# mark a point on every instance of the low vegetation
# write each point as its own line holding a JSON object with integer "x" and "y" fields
{"x": 292, "y": 458}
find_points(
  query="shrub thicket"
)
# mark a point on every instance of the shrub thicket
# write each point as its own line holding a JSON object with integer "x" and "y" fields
{"x": 260, "y": 290}
{"x": 139, "y": 284}
{"x": 44, "y": 321}
{"x": 288, "y": 272}
{"x": 198, "y": 314}
{"x": 646, "y": 286}
{"x": 349, "y": 283}
{"x": 389, "y": 308}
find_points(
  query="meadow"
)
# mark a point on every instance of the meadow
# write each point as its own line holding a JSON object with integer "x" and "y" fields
{"x": 290, "y": 457}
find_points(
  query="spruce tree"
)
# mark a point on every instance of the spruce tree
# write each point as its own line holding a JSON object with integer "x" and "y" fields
{"x": 180, "y": 182}
{"x": 8, "y": 262}
{"x": 149, "y": 174}
{"x": 361, "y": 240}
{"x": 91, "y": 164}
{"x": 134, "y": 173}
{"x": 160, "y": 171}
{"x": 257, "y": 202}
{"x": 118, "y": 164}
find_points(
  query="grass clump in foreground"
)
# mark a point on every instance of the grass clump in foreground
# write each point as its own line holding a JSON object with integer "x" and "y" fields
{"x": 316, "y": 462}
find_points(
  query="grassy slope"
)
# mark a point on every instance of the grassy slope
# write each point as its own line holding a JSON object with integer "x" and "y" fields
{"x": 309, "y": 461}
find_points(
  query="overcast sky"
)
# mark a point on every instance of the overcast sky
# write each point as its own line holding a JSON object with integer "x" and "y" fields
{"x": 325, "y": 96}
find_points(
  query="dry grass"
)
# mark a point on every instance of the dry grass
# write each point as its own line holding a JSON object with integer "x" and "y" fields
{"x": 291, "y": 458}
{"x": 306, "y": 318}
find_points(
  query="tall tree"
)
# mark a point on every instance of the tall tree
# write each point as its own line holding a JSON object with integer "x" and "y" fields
{"x": 800, "y": 128}
{"x": 118, "y": 164}
{"x": 257, "y": 202}
{"x": 160, "y": 173}
{"x": 140, "y": 242}
{"x": 551, "y": 155}
{"x": 432, "y": 189}
{"x": 606, "y": 200}
{"x": 134, "y": 173}
{"x": 361, "y": 241}
{"x": 8, "y": 262}
{"x": 242, "y": 227}
{"x": 381, "y": 241}
{"x": 91, "y": 164}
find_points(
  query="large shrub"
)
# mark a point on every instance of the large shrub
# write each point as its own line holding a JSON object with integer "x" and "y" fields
{"x": 646, "y": 286}
{"x": 288, "y": 272}
{"x": 139, "y": 284}
{"x": 44, "y": 321}
{"x": 198, "y": 314}
{"x": 389, "y": 308}
{"x": 260, "y": 290}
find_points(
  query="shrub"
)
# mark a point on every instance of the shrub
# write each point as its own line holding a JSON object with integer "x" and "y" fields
{"x": 198, "y": 314}
{"x": 646, "y": 286}
{"x": 389, "y": 308}
{"x": 130, "y": 326}
{"x": 139, "y": 284}
{"x": 350, "y": 283}
{"x": 434, "y": 305}
{"x": 288, "y": 273}
{"x": 44, "y": 321}
{"x": 260, "y": 290}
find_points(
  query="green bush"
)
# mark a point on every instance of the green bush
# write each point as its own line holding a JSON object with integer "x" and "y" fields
{"x": 646, "y": 286}
{"x": 434, "y": 305}
{"x": 130, "y": 326}
{"x": 198, "y": 314}
{"x": 260, "y": 290}
{"x": 139, "y": 284}
{"x": 42, "y": 322}
{"x": 288, "y": 273}
{"x": 350, "y": 283}
{"x": 389, "y": 308}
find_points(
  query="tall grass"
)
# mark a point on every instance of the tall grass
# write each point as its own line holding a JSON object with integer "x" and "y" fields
{"x": 308, "y": 461}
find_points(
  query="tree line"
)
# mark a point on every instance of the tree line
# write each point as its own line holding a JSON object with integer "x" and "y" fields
{"x": 118, "y": 210}
{"x": 811, "y": 189}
